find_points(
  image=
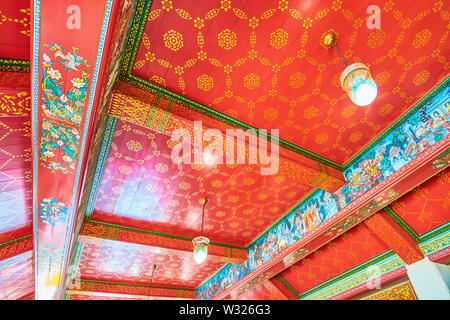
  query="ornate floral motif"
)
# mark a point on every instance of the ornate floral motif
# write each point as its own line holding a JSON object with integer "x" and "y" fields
{"x": 66, "y": 106}
{"x": 52, "y": 211}
{"x": 403, "y": 291}
{"x": 173, "y": 40}
{"x": 59, "y": 137}
{"x": 205, "y": 82}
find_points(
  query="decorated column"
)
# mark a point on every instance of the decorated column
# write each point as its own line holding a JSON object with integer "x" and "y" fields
{"x": 68, "y": 43}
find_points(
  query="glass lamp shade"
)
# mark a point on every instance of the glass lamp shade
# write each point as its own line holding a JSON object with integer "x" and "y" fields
{"x": 200, "y": 249}
{"x": 358, "y": 83}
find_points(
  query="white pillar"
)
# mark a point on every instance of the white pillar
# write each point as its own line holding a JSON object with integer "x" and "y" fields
{"x": 430, "y": 280}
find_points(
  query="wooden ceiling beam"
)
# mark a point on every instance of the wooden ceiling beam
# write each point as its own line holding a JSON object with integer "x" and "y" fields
{"x": 94, "y": 232}
{"x": 388, "y": 231}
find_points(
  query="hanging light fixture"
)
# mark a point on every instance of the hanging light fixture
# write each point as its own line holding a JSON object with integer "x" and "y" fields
{"x": 151, "y": 281}
{"x": 356, "y": 79}
{"x": 201, "y": 243}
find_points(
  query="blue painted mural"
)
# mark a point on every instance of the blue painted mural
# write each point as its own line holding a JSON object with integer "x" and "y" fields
{"x": 423, "y": 128}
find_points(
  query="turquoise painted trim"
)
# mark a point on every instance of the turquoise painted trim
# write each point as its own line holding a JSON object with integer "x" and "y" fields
{"x": 105, "y": 146}
{"x": 35, "y": 113}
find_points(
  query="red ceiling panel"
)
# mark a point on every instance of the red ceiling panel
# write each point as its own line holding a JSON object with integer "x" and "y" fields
{"x": 427, "y": 206}
{"x": 262, "y": 63}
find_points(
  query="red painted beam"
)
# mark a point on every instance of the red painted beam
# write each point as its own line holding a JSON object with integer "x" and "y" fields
{"x": 395, "y": 237}
{"x": 68, "y": 60}
{"x": 88, "y": 287}
{"x": 92, "y": 231}
{"x": 146, "y": 109}
{"x": 15, "y": 247}
{"x": 393, "y": 187}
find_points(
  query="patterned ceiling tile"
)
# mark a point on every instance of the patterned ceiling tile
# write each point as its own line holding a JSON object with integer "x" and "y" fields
{"x": 345, "y": 252}
{"x": 427, "y": 206}
{"x": 262, "y": 63}
{"x": 142, "y": 188}
{"x": 15, "y": 172}
{"x": 110, "y": 260}
{"x": 15, "y": 29}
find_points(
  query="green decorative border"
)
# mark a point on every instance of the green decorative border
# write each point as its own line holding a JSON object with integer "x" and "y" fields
{"x": 160, "y": 234}
{"x": 417, "y": 238}
{"x": 107, "y": 137}
{"x": 287, "y": 285}
{"x": 3, "y": 244}
{"x": 14, "y": 65}
{"x": 402, "y": 224}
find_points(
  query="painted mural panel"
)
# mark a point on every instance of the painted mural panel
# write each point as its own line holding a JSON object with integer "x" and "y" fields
{"x": 423, "y": 128}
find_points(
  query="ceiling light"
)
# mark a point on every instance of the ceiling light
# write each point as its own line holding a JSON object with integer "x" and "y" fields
{"x": 201, "y": 243}
{"x": 356, "y": 79}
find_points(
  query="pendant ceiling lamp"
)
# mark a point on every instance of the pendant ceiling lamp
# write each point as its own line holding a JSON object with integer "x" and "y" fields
{"x": 201, "y": 243}
{"x": 356, "y": 79}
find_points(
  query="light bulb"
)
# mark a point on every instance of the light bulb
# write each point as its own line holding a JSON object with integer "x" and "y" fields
{"x": 200, "y": 249}
{"x": 200, "y": 254}
{"x": 358, "y": 83}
